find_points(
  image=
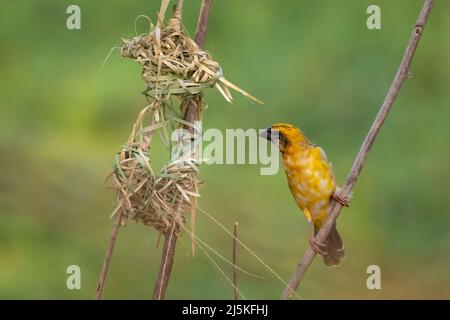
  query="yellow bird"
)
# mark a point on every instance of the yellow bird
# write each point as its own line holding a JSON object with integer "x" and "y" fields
{"x": 312, "y": 183}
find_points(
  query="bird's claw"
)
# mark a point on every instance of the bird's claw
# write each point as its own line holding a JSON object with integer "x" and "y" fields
{"x": 343, "y": 200}
{"x": 317, "y": 247}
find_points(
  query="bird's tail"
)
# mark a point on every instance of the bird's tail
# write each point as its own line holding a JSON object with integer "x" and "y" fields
{"x": 334, "y": 248}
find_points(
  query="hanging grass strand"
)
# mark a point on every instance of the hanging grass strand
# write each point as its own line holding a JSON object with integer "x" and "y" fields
{"x": 173, "y": 64}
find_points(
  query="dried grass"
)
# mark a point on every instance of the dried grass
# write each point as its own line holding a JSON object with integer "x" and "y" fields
{"x": 153, "y": 199}
{"x": 172, "y": 65}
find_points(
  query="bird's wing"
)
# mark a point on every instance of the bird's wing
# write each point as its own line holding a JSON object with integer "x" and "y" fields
{"x": 325, "y": 161}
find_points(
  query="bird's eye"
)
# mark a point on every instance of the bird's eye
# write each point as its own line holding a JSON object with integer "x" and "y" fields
{"x": 283, "y": 141}
{"x": 269, "y": 134}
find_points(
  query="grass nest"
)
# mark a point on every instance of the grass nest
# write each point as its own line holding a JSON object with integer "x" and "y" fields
{"x": 154, "y": 199}
{"x": 172, "y": 65}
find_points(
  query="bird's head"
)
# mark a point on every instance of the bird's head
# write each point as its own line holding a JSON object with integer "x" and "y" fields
{"x": 287, "y": 137}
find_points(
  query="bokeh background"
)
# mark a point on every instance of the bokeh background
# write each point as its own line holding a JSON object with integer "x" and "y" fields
{"x": 314, "y": 63}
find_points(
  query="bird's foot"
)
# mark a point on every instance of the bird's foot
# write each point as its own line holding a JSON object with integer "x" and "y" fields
{"x": 317, "y": 247}
{"x": 343, "y": 200}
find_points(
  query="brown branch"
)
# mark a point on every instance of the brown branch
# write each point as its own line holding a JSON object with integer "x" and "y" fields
{"x": 109, "y": 251}
{"x": 170, "y": 242}
{"x": 192, "y": 112}
{"x": 180, "y": 5}
{"x": 167, "y": 258}
{"x": 400, "y": 77}
{"x": 202, "y": 24}
{"x": 235, "y": 233}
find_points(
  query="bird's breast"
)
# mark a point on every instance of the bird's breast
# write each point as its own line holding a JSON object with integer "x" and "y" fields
{"x": 310, "y": 179}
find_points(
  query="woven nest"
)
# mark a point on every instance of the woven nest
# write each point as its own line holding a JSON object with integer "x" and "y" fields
{"x": 173, "y": 64}
{"x": 153, "y": 199}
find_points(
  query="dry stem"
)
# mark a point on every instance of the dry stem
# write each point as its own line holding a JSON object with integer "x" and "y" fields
{"x": 401, "y": 76}
{"x": 192, "y": 107}
{"x": 109, "y": 251}
{"x": 170, "y": 242}
{"x": 202, "y": 24}
{"x": 235, "y": 233}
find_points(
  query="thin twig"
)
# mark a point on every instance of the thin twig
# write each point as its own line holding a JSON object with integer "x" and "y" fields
{"x": 192, "y": 109}
{"x": 235, "y": 233}
{"x": 109, "y": 251}
{"x": 202, "y": 24}
{"x": 180, "y": 5}
{"x": 400, "y": 77}
{"x": 170, "y": 242}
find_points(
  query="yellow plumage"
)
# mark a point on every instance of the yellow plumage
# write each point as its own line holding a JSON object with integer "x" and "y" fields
{"x": 311, "y": 181}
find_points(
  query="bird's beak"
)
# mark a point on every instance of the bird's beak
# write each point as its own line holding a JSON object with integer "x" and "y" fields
{"x": 265, "y": 133}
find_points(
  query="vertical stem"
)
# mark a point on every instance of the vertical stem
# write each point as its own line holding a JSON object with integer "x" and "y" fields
{"x": 192, "y": 112}
{"x": 109, "y": 251}
{"x": 235, "y": 233}
{"x": 202, "y": 24}
{"x": 180, "y": 5}
{"x": 167, "y": 259}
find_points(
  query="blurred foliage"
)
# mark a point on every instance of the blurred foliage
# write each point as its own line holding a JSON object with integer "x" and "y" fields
{"x": 314, "y": 63}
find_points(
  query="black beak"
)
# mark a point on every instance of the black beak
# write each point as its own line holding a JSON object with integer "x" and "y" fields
{"x": 266, "y": 134}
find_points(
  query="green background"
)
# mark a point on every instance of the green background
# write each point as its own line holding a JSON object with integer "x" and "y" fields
{"x": 314, "y": 63}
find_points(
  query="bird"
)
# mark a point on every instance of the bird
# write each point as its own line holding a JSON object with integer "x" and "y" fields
{"x": 313, "y": 185}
